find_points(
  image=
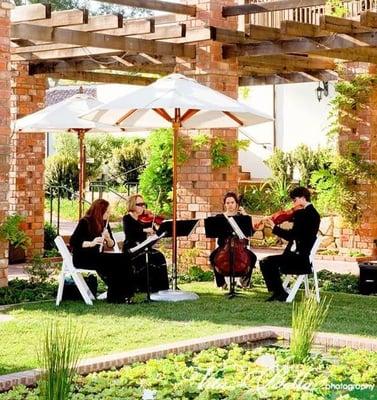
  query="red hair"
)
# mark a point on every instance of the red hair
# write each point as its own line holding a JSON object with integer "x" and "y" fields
{"x": 95, "y": 214}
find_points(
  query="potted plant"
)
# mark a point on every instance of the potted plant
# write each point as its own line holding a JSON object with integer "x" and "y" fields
{"x": 11, "y": 231}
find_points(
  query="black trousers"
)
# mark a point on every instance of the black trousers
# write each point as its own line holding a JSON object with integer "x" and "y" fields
{"x": 245, "y": 279}
{"x": 115, "y": 270}
{"x": 288, "y": 263}
{"x": 158, "y": 273}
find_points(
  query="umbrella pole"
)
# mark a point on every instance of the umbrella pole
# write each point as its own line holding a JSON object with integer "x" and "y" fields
{"x": 80, "y": 134}
{"x": 176, "y": 125}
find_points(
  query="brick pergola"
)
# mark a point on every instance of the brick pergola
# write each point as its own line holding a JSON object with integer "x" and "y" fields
{"x": 222, "y": 44}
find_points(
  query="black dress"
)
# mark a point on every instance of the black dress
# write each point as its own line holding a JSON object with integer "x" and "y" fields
{"x": 220, "y": 279}
{"x": 158, "y": 274}
{"x": 113, "y": 268}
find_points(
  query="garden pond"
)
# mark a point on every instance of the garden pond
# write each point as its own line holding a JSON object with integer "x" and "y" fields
{"x": 232, "y": 373}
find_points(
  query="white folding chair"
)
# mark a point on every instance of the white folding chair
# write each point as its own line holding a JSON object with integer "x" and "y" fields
{"x": 68, "y": 269}
{"x": 292, "y": 289}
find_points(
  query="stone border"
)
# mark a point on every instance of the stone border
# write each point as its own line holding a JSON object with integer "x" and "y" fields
{"x": 256, "y": 334}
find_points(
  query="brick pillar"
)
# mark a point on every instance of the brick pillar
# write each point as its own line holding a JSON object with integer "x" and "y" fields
{"x": 200, "y": 187}
{"x": 5, "y": 92}
{"x": 363, "y": 130}
{"x": 28, "y": 153}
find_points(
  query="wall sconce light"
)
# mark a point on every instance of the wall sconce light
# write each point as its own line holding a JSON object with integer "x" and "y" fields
{"x": 322, "y": 91}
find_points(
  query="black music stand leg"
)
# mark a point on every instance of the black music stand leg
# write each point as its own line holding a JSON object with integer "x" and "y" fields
{"x": 146, "y": 250}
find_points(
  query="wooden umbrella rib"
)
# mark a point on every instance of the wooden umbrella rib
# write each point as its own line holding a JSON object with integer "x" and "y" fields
{"x": 162, "y": 113}
{"x": 125, "y": 116}
{"x": 188, "y": 114}
{"x": 233, "y": 117}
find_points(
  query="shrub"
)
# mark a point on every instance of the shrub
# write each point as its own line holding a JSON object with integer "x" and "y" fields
{"x": 59, "y": 356}
{"x": 50, "y": 234}
{"x": 307, "y": 317}
{"x": 197, "y": 274}
{"x": 62, "y": 170}
{"x": 21, "y": 291}
{"x": 10, "y": 230}
{"x": 40, "y": 270}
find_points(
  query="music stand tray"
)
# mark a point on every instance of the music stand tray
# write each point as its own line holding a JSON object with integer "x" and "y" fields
{"x": 183, "y": 228}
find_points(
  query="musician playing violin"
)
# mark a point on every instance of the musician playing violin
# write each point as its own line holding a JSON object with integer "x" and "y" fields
{"x": 301, "y": 237}
{"x": 136, "y": 229}
{"x": 232, "y": 208}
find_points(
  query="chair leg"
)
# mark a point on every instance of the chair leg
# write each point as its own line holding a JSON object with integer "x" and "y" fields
{"x": 316, "y": 286}
{"x": 306, "y": 283}
{"x": 286, "y": 283}
{"x": 59, "y": 295}
{"x": 86, "y": 294}
{"x": 295, "y": 288}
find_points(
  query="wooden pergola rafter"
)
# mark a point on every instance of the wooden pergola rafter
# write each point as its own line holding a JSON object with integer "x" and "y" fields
{"x": 73, "y": 45}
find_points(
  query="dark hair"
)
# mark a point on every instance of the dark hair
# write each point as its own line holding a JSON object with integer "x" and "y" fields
{"x": 233, "y": 195}
{"x": 94, "y": 216}
{"x": 300, "y": 192}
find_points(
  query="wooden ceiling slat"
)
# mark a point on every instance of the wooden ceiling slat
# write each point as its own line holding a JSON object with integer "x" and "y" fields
{"x": 99, "y": 40}
{"x": 293, "y": 28}
{"x": 100, "y": 23}
{"x": 165, "y": 32}
{"x": 369, "y": 19}
{"x": 229, "y": 11}
{"x": 133, "y": 27}
{"x": 103, "y": 77}
{"x": 30, "y": 12}
{"x": 262, "y": 33}
{"x": 64, "y": 18}
{"x": 157, "y": 5}
{"x": 341, "y": 25}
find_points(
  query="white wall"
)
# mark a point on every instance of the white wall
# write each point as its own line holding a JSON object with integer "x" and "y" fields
{"x": 300, "y": 118}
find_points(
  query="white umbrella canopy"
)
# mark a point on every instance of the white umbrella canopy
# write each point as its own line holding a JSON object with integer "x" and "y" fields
{"x": 175, "y": 101}
{"x": 64, "y": 116}
{"x": 175, "y": 91}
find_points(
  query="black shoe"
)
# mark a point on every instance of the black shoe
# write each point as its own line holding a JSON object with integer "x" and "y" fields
{"x": 278, "y": 296}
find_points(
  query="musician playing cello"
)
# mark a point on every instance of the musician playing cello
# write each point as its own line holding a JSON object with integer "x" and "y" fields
{"x": 232, "y": 208}
{"x": 293, "y": 261}
{"x": 136, "y": 230}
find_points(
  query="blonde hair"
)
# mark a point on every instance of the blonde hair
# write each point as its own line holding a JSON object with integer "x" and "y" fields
{"x": 132, "y": 200}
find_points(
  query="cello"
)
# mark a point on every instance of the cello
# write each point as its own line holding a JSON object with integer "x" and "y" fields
{"x": 233, "y": 258}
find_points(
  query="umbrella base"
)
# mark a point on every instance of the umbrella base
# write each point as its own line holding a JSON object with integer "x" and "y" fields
{"x": 173, "y": 295}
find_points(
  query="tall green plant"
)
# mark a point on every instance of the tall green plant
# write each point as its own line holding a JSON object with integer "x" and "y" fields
{"x": 10, "y": 230}
{"x": 307, "y": 317}
{"x": 59, "y": 356}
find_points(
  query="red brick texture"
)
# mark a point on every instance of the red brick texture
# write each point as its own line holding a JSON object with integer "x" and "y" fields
{"x": 200, "y": 187}
{"x": 362, "y": 130}
{"x": 26, "y": 194}
{"x": 5, "y": 131}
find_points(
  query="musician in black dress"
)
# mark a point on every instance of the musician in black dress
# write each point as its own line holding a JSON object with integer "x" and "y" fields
{"x": 232, "y": 208}
{"x": 136, "y": 232}
{"x": 293, "y": 260}
{"x": 90, "y": 237}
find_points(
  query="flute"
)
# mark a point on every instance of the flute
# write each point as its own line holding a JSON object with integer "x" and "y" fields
{"x": 101, "y": 245}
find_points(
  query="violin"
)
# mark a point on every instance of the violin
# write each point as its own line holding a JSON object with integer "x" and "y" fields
{"x": 282, "y": 216}
{"x": 147, "y": 217}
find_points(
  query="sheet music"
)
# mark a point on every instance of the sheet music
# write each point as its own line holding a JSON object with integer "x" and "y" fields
{"x": 148, "y": 240}
{"x": 235, "y": 227}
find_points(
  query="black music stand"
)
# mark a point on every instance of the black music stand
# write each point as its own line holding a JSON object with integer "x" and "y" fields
{"x": 219, "y": 226}
{"x": 183, "y": 228}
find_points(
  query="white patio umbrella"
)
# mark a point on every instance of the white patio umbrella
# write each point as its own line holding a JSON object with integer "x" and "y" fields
{"x": 64, "y": 116}
{"x": 178, "y": 102}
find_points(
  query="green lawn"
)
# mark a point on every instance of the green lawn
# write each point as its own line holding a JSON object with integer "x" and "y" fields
{"x": 112, "y": 328}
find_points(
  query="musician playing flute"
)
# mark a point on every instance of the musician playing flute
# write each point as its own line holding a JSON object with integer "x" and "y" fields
{"x": 90, "y": 237}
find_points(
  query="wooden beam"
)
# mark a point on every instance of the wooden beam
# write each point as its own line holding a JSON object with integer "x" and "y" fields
{"x": 99, "y": 40}
{"x": 72, "y": 65}
{"x": 157, "y": 5}
{"x": 290, "y": 62}
{"x": 163, "y": 32}
{"x": 369, "y": 19}
{"x": 100, "y": 23}
{"x": 103, "y": 77}
{"x": 361, "y": 54}
{"x": 262, "y": 80}
{"x": 64, "y": 18}
{"x": 30, "y": 12}
{"x": 227, "y": 35}
{"x": 133, "y": 27}
{"x": 263, "y": 33}
{"x": 326, "y": 75}
{"x": 230, "y": 11}
{"x": 293, "y": 28}
{"x": 300, "y": 46}
{"x": 341, "y": 25}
